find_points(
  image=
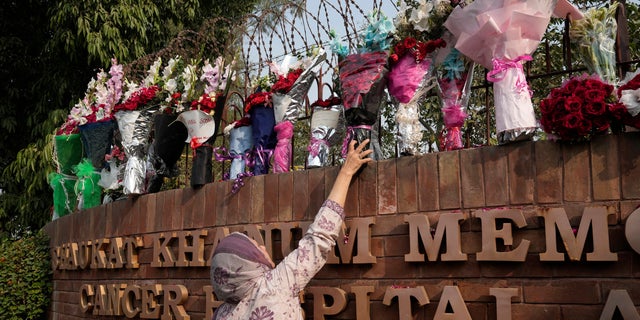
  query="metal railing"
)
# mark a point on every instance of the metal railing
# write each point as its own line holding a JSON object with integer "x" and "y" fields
{"x": 544, "y": 68}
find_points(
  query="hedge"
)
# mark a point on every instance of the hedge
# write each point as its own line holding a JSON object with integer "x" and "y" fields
{"x": 25, "y": 277}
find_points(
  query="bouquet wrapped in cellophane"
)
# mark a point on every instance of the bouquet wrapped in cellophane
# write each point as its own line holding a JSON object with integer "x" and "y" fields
{"x": 287, "y": 95}
{"x": 327, "y": 125}
{"x": 595, "y": 37}
{"x": 454, "y": 76}
{"x": 363, "y": 80}
{"x": 410, "y": 79}
{"x": 419, "y": 41}
{"x": 500, "y": 35}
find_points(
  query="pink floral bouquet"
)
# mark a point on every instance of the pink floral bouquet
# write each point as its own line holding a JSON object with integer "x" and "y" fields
{"x": 500, "y": 35}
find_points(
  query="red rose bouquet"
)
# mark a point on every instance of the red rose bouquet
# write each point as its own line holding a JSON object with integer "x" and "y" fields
{"x": 581, "y": 108}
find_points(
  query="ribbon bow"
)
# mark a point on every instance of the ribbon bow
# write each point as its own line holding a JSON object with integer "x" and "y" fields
{"x": 500, "y": 66}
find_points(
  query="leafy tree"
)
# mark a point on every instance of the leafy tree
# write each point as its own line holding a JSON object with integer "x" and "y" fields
{"x": 50, "y": 50}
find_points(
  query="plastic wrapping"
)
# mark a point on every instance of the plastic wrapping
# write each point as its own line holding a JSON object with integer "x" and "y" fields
{"x": 264, "y": 137}
{"x": 135, "y": 127}
{"x": 408, "y": 84}
{"x": 202, "y": 168}
{"x": 64, "y": 194}
{"x": 68, "y": 152}
{"x": 454, "y": 77}
{"x": 363, "y": 79}
{"x": 499, "y": 35}
{"x": 282, "y": 151}
{"x": 595, "y": 37}
{"x": 287, "y": 108}
{"x": 97, "y": 138}
{"x": 360, "y": 124}
{"x": 326, "y": 125}
{"x": 240, "y": 145}
{"x": 168, "y": 143}
{"x": 515, "y": 117}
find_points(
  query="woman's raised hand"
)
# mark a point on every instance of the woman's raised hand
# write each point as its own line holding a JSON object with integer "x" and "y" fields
{"x": 356, "y": 157}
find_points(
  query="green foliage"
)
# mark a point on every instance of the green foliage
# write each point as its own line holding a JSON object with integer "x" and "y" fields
{"x": 49, "y": 50}
{"x": 25, "y": 277}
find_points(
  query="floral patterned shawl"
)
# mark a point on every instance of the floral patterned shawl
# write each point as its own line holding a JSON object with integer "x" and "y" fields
{"x": 252, "y": 290}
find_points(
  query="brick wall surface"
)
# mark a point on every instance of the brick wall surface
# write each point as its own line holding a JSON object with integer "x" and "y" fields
{"x": 528, "y": 176}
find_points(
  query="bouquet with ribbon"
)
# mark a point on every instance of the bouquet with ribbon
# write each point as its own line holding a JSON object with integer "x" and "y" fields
{"x": 454, "y": 76}
{"x": 419, "y": 39}
{"x": 363, "y": 80}
{"x": 327, "y": 124}
{"x": 204, "y": 116}
{"x": 595, "y": 36}
{"x": 409, "y": 82}
{"x": 582, "y": 107}
{"x": 287, "y": 95}
{"x": 500, "y": 35}
{"x": 67, "y": 154}
{"x": 240, "y": 137}
{"x": 259, "y": 107}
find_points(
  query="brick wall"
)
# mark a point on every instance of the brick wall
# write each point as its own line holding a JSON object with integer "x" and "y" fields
{"x": 529, "y": 176}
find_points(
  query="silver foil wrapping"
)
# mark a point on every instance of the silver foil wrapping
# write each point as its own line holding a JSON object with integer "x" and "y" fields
{"x": 289, "y": 108}
{"x": 135, "y": 127}
{"x": 513, "y": 135}
{"x": 327, "y": 124}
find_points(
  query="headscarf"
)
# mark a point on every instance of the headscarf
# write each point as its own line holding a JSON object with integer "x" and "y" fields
{"x": 236, "y": 265}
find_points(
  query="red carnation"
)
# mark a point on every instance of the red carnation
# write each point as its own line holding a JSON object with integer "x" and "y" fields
{"x": 256, "y": 99}
{"x": 332, "y": 101}
{"x": 409, "y": 42}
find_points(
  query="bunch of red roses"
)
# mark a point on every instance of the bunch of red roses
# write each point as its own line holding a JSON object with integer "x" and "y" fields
{"x": 582, "y": 107}
{"x": 418, "y": 49}
{"x": 284, "y": 83}
{"x": 256, "y": 99}
{"x": 206, "y": 102}
{"x": 138, "y": 99}
{"x": 326, "y": 103}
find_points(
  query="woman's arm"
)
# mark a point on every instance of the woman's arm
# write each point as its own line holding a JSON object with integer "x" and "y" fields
{"x": 296, "y": 270}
